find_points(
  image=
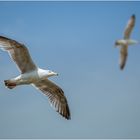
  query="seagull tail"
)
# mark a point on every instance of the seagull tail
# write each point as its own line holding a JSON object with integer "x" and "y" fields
{"x": 9, "y": 84}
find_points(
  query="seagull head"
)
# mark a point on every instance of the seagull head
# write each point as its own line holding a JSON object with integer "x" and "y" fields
{"x": 51, "y": 73}
{"x": 116, "y": 43}
{"x": 46, "y": 73}
{"x": 120, "y": 42}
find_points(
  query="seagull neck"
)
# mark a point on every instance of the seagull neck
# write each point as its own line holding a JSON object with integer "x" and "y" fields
{"x": 42, "y": 73}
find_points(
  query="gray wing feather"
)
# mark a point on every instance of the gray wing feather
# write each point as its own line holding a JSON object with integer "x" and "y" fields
{"x": 123, "y": 56}
{"x": 19, "y": 53}
{"x": 55, "y": 95}
{"x": 129, "y": 27}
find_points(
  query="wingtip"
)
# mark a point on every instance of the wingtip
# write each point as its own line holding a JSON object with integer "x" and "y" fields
{"x": 65, "y": 113}
{"x": 133, "y": 16}
{"x": 122, "y": 67}
{"x": 68, "y": 117}
{"x": 3, "y": 37}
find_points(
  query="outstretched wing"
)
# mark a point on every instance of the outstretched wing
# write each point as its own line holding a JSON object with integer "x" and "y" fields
{"x": 19, "y": 53}
{"x": 129, "y": 27}
{"x": 123, "y": 56}
{"x": 55, "y": 95}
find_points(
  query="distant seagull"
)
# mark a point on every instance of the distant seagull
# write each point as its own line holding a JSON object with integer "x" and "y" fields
{"x": 126, "y": 41}
{"x": 31, "y": 74}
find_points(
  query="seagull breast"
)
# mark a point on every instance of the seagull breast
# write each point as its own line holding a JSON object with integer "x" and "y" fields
{"x": 30, "y": 77}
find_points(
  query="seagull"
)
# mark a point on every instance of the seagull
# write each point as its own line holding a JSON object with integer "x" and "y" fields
{"x": 33, "y": 75}
{"x": 126, "y": 41}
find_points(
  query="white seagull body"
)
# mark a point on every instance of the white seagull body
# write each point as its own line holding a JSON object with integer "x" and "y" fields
{"x": 31, "y": 74}
{"x": 126, "y": 41}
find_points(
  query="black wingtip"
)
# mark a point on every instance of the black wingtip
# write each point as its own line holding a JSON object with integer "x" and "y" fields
{"x": 122, "y": 67}
{"x": 3, "y": 37}
{"x": 67, "y": 115}
{"x": 133, "y": 16}
{"x": 68, "y": 118}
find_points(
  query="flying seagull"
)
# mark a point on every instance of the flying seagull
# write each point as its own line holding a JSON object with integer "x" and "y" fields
{"x": 31, "y": 74}
{"x": 126, "y": 41}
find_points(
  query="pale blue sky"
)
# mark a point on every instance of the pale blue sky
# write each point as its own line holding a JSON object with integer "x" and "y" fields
{"x": 75, "y": 39}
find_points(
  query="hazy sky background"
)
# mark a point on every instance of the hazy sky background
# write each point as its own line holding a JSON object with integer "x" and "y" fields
{"x": 76, "y": 40}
